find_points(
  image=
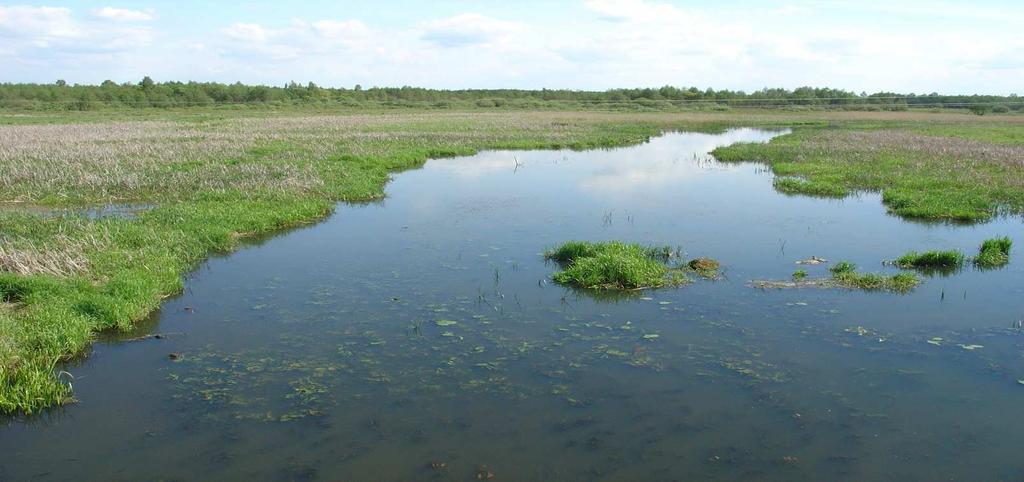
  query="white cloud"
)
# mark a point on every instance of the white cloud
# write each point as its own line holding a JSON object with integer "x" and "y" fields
{"x": 602, "y": 44}
{"x": 469, "y": 29}
{"x": 38, "y": 25}
{"x": 122, "y": 14}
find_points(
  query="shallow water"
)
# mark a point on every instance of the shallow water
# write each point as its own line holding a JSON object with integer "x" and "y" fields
{"x": 328, "y": 353}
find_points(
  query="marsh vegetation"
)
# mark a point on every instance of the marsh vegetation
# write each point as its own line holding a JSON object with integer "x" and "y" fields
{"x": 397, "y": 330}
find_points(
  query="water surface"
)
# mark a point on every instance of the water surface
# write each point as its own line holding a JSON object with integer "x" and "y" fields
{"x": 425, "y": 328}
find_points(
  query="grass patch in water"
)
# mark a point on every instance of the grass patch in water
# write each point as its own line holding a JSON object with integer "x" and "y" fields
{"x": 845, "y": 274}
{"x": 614, "y": 265}
{"x": 799, "y": 274}
{"x": 929, "y": 261}
{"x": 794, "y": 185}
{"x": 994, "y": 253}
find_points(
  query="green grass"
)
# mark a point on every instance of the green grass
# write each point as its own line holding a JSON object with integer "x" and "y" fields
{"x": 793, "y": 185}
{"x": 942, "y": 261}
{"x": 612, "y": 265}
{"x": 845, "y": 274}
{"x": 994, "y": 253}
{"x": 799, "y": 274}
{"x": 951, "y": 170}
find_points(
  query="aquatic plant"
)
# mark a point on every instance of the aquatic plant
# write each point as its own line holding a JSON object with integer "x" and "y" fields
{"x": 799, "y": 274}
{"x": 843, "y": 267}
{"x": 844, "y": 274}
{"x": 931, "y": 260}
{"x": 704, "y": 267}
{"x": 612, "y": 265}
{"x": 994, "y": 253}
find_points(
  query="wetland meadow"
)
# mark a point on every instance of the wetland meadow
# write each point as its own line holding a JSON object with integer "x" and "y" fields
{"x": 408, "y": 294}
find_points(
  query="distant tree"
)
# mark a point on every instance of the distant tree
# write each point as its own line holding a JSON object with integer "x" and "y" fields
{"x": 146, "y": 83}
{"x": 61, "y": 83}
{"x": 980, "y": 109}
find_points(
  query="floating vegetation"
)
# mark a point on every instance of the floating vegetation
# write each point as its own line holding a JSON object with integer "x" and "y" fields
{"x": 932, "y": 261}
{"x": 799, "y": 275}
{"x": 994, "y": 253}
{"x": 615, "y": 265}
{"x": 446, "y": 323}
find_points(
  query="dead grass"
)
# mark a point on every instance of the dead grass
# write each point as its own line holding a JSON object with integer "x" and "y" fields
{"x": 62, "y": 256}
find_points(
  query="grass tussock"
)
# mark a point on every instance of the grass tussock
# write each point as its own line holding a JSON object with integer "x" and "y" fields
{"x": 613, "y": 265}
{"x": 994, "y": 253}
{"x": 932, "y": 261}
{"x": 845, "y": 274}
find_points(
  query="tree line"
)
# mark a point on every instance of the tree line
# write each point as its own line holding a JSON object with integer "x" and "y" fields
{"x": 148, "y": 93}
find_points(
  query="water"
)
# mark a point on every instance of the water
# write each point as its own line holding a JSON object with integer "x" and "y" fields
{"x": 317, "y": 354}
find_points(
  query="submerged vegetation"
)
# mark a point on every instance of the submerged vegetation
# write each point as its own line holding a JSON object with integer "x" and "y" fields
{"x": 994, "y": 253}
{"x": 614, "y": 265}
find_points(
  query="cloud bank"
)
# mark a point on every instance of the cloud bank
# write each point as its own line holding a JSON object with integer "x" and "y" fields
{"x": 599, "y": 44}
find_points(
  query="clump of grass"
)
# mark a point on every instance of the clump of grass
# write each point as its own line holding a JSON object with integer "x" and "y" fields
{"x": 942, "y": 261}
{"x": 994, "y": 253}
{"x": 799, "y": 274}
{"x": 845, "y": 274}
{"x": 705, "y": 267}
{"x": 612, "y": 265}
{"x": 793, "y": 185}
{"x": 843, "y": 267}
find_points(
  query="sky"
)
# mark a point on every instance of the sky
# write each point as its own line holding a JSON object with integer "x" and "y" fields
{"x": 858, "y": 45}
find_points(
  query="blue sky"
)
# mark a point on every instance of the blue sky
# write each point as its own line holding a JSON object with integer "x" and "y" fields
{"x": 905, "y": 46}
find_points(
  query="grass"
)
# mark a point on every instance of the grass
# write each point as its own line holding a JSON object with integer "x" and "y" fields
{"x": 794, "y": 185}
{"x": 928, "y": 261}
{"x": 799, "y": 274}
{"x": 216, "y": 176}
{"x": 994, "y": 253}
{"x": 845, "y": 274}
{"x": 949, "y": 170}
{"x": 612, "y": 265}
